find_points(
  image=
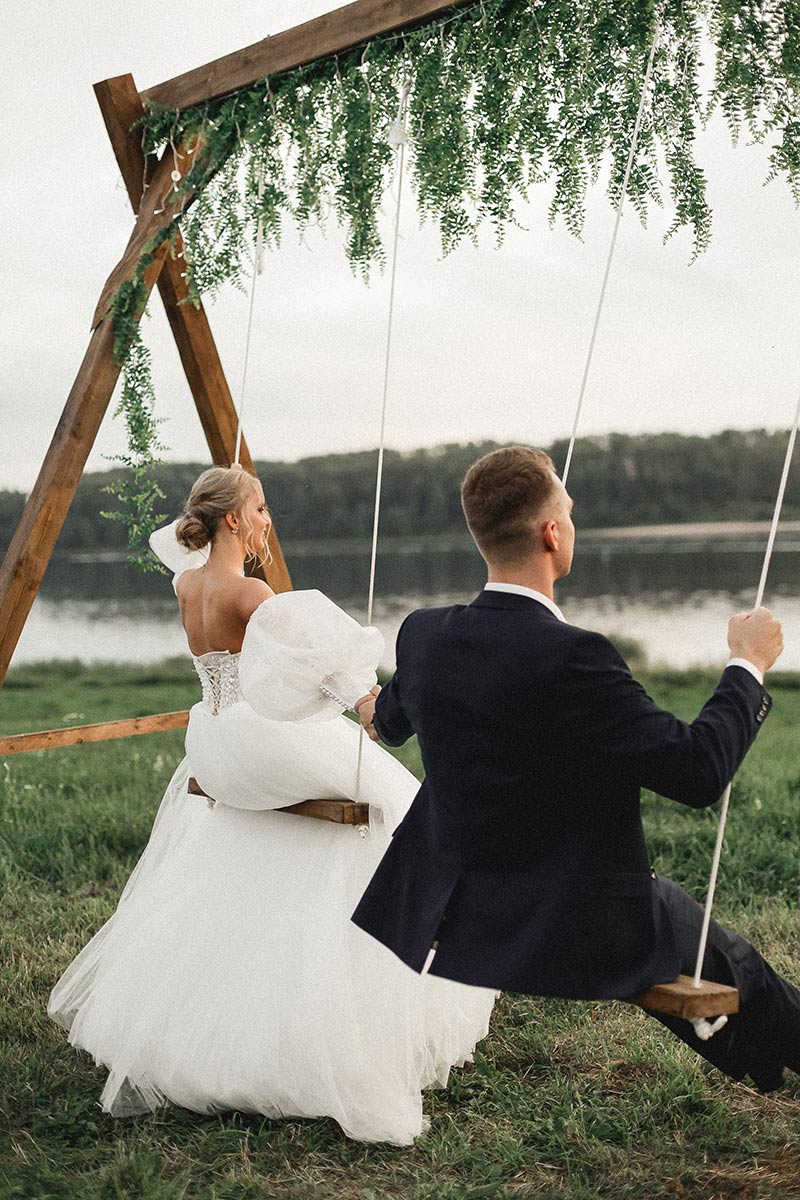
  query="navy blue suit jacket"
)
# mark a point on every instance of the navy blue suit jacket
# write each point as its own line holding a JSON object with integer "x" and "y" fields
{"x": 523, "y": 854}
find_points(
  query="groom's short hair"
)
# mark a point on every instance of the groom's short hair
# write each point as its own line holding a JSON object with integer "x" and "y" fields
{"x": 502, "y": 495}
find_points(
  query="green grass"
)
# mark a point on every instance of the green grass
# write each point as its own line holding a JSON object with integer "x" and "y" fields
{"x": 565, "y": 1099}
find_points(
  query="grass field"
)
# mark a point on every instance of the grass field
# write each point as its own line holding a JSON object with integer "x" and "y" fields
{"x": 564, "y": 1100}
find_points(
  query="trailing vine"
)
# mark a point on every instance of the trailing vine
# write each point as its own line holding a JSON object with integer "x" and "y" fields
{"x": 138, "y": 491}
{"x": 504, "y": 94}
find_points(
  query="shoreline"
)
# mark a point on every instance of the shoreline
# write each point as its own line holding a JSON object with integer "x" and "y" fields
{"x": 697, "y": 532}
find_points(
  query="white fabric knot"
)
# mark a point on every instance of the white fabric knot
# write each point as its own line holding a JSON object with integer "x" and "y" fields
{"x": 176, "y": 557}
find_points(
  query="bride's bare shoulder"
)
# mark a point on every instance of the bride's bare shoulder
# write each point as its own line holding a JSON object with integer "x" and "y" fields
{"x": 243, "y": 594}
{"x": 250, "y": 593}
{"x": 187, "y": 583}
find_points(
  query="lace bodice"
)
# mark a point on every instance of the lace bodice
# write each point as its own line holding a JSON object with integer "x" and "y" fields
{"x": 219, "y": 675}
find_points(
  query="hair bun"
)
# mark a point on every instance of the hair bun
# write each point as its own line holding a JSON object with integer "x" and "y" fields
{"x": 192, "y": 532}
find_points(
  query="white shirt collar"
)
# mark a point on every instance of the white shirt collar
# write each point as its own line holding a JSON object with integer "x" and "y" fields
{"x": 517, "y": 589}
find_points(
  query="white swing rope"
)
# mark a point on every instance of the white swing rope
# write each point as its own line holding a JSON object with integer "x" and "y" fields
{"x": 723, "y": 815}
{"x": 620, "y": 205}
{"x": 397, "y": 139}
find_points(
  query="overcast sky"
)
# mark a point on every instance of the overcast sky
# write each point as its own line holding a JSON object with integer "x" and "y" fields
{"x": 489, "y": 343}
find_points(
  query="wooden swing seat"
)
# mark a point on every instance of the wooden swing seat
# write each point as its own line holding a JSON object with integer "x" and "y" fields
{"x": 341, "y": 812}
{"x": 682, "y": 999}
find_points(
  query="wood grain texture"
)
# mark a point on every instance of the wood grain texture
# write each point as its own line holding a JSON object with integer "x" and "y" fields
{"x": 341, "y": 812}
{"x": 319, "y": 38}
{"x": 121, "y": 107}
{"x": 682, "y": 999}
{"x": 77, "y": 735}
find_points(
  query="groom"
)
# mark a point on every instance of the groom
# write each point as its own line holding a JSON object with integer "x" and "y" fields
{"x": 521, "y": 864}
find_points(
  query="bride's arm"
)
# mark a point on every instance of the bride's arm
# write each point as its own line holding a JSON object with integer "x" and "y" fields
{"x": 300, "y": 652}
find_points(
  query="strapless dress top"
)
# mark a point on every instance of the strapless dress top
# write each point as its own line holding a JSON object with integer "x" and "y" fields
{"x": 219, "y": 677}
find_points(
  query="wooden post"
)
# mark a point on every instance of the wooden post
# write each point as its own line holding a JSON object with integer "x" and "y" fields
{"x": 121, "y": 106}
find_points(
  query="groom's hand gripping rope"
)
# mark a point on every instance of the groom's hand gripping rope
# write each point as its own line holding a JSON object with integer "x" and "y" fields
{"x": 365, "y": 707}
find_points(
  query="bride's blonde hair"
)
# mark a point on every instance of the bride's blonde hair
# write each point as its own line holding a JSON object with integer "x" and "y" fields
{"x": 218, "y": 491}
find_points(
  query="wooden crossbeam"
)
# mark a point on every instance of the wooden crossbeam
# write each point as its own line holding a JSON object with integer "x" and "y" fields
{"x": 682, "y": 999}
{"x": 341, "y": 812}
{"x": 103, "y": 731}
{"x": 331, "y": 33}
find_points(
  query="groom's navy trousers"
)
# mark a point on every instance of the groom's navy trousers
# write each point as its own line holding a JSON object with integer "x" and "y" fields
{"x": 522, "y": 859}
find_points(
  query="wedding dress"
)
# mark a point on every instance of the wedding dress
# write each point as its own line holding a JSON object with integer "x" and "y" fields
{"x": 231, "y": 976}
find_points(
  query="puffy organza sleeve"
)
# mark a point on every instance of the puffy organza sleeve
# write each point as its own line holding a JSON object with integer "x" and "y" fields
{"x": 297, "y": 643}
{"x": 173, "y": 555}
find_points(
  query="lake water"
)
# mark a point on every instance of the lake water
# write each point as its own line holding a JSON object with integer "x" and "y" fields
{"x": 672, "y": 593}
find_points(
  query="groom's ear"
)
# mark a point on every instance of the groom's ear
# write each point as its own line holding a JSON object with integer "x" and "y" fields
{"x": 549, "y": 532}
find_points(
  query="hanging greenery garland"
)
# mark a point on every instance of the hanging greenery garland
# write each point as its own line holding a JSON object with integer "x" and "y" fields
{"x": 138, "y": 491}
{"x": 503, "y": 94}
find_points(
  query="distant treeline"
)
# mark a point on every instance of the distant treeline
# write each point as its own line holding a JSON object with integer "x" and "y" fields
{"x": 616, "y": 480}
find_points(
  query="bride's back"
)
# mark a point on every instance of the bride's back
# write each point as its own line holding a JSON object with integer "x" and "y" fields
{"x": 226, "y": 510}
{"x": 215, "y": 607}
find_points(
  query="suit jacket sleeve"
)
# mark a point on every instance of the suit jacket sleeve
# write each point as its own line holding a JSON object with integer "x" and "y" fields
{"x": 391, "y": 721}
{"x": 640, "y": 742}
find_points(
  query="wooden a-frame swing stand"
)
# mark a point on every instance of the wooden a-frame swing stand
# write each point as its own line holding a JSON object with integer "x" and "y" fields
{"x": 152, "y": 195}
{"x": 155, "y": 202}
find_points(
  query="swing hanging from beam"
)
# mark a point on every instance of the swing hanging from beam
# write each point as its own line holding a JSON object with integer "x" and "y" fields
{"x": 155, "y": 204}
{"x": 689, "y": 997}
{"x": 151, "y": 190}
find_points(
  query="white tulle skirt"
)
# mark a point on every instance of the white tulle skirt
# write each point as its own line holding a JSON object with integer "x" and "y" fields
{"x": 231, "y": 977}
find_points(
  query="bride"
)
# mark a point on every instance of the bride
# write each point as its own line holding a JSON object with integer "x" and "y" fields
{"x": 231, "y": 976}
